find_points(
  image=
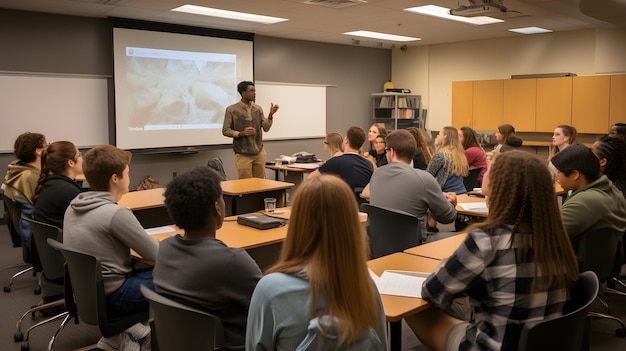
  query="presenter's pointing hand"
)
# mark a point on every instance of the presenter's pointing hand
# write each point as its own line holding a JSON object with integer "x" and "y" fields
{"x": 273, "y": 108}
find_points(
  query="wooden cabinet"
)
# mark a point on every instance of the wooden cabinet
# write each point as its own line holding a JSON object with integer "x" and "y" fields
{"x": 487, "y": 104}
{"x": 617, "y": 100}
{"x": 554, "y": 103}
{"x": 397, "y": 111}
{"x": 590, "y": 104}
{"x": 520, "y": 103}
{"x": 462, "y": 98}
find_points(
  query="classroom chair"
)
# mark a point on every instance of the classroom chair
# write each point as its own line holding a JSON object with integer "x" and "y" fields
{"x": 471, "y": 180}
{"x": 14, "y": 209}
{"x": 51, "y": 278}
{"x": 571, "y": 330}
{"x": 390, "y": 230}
{"x": 596, "y": 251}
{"x": 180, "y": 327}
{"x": 86, "y": 300}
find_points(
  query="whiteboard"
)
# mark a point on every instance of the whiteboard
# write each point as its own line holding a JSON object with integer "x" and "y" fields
{"x": 301, "y": 113}
{"x": 73, "y": 108}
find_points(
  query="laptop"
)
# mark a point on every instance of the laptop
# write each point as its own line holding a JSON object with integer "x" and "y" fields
{"x": 260, "y": 221}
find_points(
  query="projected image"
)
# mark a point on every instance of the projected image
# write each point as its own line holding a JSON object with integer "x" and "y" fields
{"x": 170, "y": 89}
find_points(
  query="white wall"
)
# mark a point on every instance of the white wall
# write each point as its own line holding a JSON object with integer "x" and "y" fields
{"x": 430, "y": 70}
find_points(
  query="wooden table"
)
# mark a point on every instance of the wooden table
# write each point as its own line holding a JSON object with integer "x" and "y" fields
{"x": 438, "y": 250}
{"x": 464, "y": 198}
{"x": 399, "y": 307}
{"x": 285, "y": 169}
{"x": 252, "y": 191}
{"x": 148, "y": 206}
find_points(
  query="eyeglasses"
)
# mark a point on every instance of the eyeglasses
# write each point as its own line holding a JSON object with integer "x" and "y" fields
{"x": 387, "y": 148}
{"x": 325, "y": 142}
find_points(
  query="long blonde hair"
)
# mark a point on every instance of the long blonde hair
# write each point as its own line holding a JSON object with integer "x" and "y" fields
{"x": 453, "y": 151}
{"x": 326, "y": 238}
{"x": 334, "y": 142}
{"x": 522, "y": 195}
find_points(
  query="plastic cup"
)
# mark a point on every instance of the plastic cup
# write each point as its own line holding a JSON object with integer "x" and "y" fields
{"x": 278, "y": 162}
{"x": 270, "y": 204}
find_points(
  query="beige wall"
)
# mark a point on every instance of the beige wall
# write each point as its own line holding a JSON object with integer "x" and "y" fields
{"x": 430, "y": 70}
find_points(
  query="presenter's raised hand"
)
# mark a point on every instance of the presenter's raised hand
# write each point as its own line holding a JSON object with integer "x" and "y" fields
{"x": 273, "y": 109}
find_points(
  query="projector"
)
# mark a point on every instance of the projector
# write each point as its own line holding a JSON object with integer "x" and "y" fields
{"x": 478, "y": 10}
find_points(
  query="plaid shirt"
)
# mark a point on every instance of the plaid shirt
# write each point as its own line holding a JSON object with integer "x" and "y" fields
{"x": 484, "y": 268}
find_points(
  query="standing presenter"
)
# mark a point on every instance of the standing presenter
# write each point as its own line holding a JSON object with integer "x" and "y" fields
{"x": 243, "y": 122}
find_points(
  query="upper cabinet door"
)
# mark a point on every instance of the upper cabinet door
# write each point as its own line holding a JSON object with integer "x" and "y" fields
{"x": 462, "y": 103}
{"x": 487, "y": 103}
{"x": 590, "y": 104}
{"x": 554, "y": 103}
{"x": 617, "y": 100}
{"x": 520, "y": 104}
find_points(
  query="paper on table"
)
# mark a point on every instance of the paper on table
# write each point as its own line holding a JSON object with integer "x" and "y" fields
{"x": 400, "y": 283}
{"x": 160, "y": 230}
{"x": 474, "y": 206}
{"x": 305, "y": 165}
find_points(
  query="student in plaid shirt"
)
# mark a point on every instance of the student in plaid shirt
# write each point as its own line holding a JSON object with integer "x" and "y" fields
{"x": 517, "y": 266}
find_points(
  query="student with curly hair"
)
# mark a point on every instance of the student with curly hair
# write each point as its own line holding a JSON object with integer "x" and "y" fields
{"x": 61, "y": 163}
{"x": 516, "y": 267}
{"x": 196, "y": 268}
{"x": 612, "y": 155}
{"x": 321, "y": 278}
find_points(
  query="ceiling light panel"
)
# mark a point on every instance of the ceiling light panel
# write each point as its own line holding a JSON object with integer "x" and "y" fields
{"x": 241, "y": 16}
{"x": 382, "y": 36}
{"x": 444, "y": 13}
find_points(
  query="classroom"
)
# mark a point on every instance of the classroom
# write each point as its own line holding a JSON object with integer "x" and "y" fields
{"x": 57, "y": 44}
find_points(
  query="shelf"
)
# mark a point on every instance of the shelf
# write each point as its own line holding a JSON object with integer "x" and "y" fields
{"x": 392, "y": 108}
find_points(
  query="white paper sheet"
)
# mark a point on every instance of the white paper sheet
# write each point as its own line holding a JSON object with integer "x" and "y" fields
{"x": 400, "y": 283}
{"x": 160, "y": 230}
{"x": 474, "y": 206}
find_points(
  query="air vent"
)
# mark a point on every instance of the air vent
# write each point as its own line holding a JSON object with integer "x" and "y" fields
{"x": 336, "y": 4}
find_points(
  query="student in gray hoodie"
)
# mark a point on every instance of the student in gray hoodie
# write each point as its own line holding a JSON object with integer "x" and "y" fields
{"x": 95, "y": 224}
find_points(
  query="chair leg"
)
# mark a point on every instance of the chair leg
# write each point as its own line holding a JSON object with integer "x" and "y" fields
{"x": 18, "y": 336}
{"x": 8, "y": 287}
{"x": 620, "y": 332}
{"x": 618, "y": 281}
{"x": 58, "y": 316}
{"x": 56, "y": 335}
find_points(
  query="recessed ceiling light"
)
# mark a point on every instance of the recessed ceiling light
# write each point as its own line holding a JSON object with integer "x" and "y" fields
{"x": 383, "y": 36}
{"x": 530, "y": 30}
{"x": 443, "y": 12}
{"x": 242, "y": 16}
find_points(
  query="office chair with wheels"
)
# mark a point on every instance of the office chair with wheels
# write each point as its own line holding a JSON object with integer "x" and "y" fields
{"x": 180, "y": 327}
{"x": 571, "y": 330}
{"x": 52, "y": 276}
{"x": 471, "y": 180}
{"x": 86, "y": 299}
{"x": 390, "y": 230}
{"x": 596, "y": 252}
{"x": 14, "y": 209}
{"x": 16, "y": 239}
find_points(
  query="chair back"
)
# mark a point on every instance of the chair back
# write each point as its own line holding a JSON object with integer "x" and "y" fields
{"x": 390, "y": 230}
{"x": 18, "y": 209}
{"x": 471, "y": 180}
{"x": 568, "y": 332}
{"x": 180, "y": 327}
{"x": 52, "y": 261}
{"x": 84, "y": 277}
{"x": 13, "y": 223}
{"x": 596, "y": 251}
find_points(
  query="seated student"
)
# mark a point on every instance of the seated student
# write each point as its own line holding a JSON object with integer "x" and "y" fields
{"x": 612, "y": 155}
{"x": 197, "y": 269}
{"x": 333, "y": 144}
{"x": 61, "y": 163}
{"x": 422, "y": 156}
{"x": 562, "y": 137}
{"x": 375, "y": 130}
{"x": 474, "y": 154}
{"x": 353, "y": 168}
{"x": 322, "y": 271}
{"x": 503, "y": 132}
{"x": 594, "y": 202}
{"x": 511, "y": 143}
{"x": 399, "y": 186}
{"x": 22, "y": 176}
{"x": 449, "y": 164}
{"x": 95, "y": 224}
{"x": 378, "y": 155}
{"x": 515, "y": 267}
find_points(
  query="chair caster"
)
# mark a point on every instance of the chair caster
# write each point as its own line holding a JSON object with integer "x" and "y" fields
{"x": 7, "y": 289}
{"x": 620, "y": 332}
{"x": 37, "y": 290}
{"x": 25, "y": 346}
{"x": 18, "y": 336}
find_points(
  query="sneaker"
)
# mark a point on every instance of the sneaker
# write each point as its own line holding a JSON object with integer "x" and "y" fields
{"x": 109, "y": 344}
{"x": 140, "y": 333}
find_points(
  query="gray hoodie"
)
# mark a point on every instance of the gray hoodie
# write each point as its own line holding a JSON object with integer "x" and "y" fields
{"x": 95, "y": 224}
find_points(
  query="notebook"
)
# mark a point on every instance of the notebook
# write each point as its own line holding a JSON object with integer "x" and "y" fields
{"x": 260, "y": 222}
